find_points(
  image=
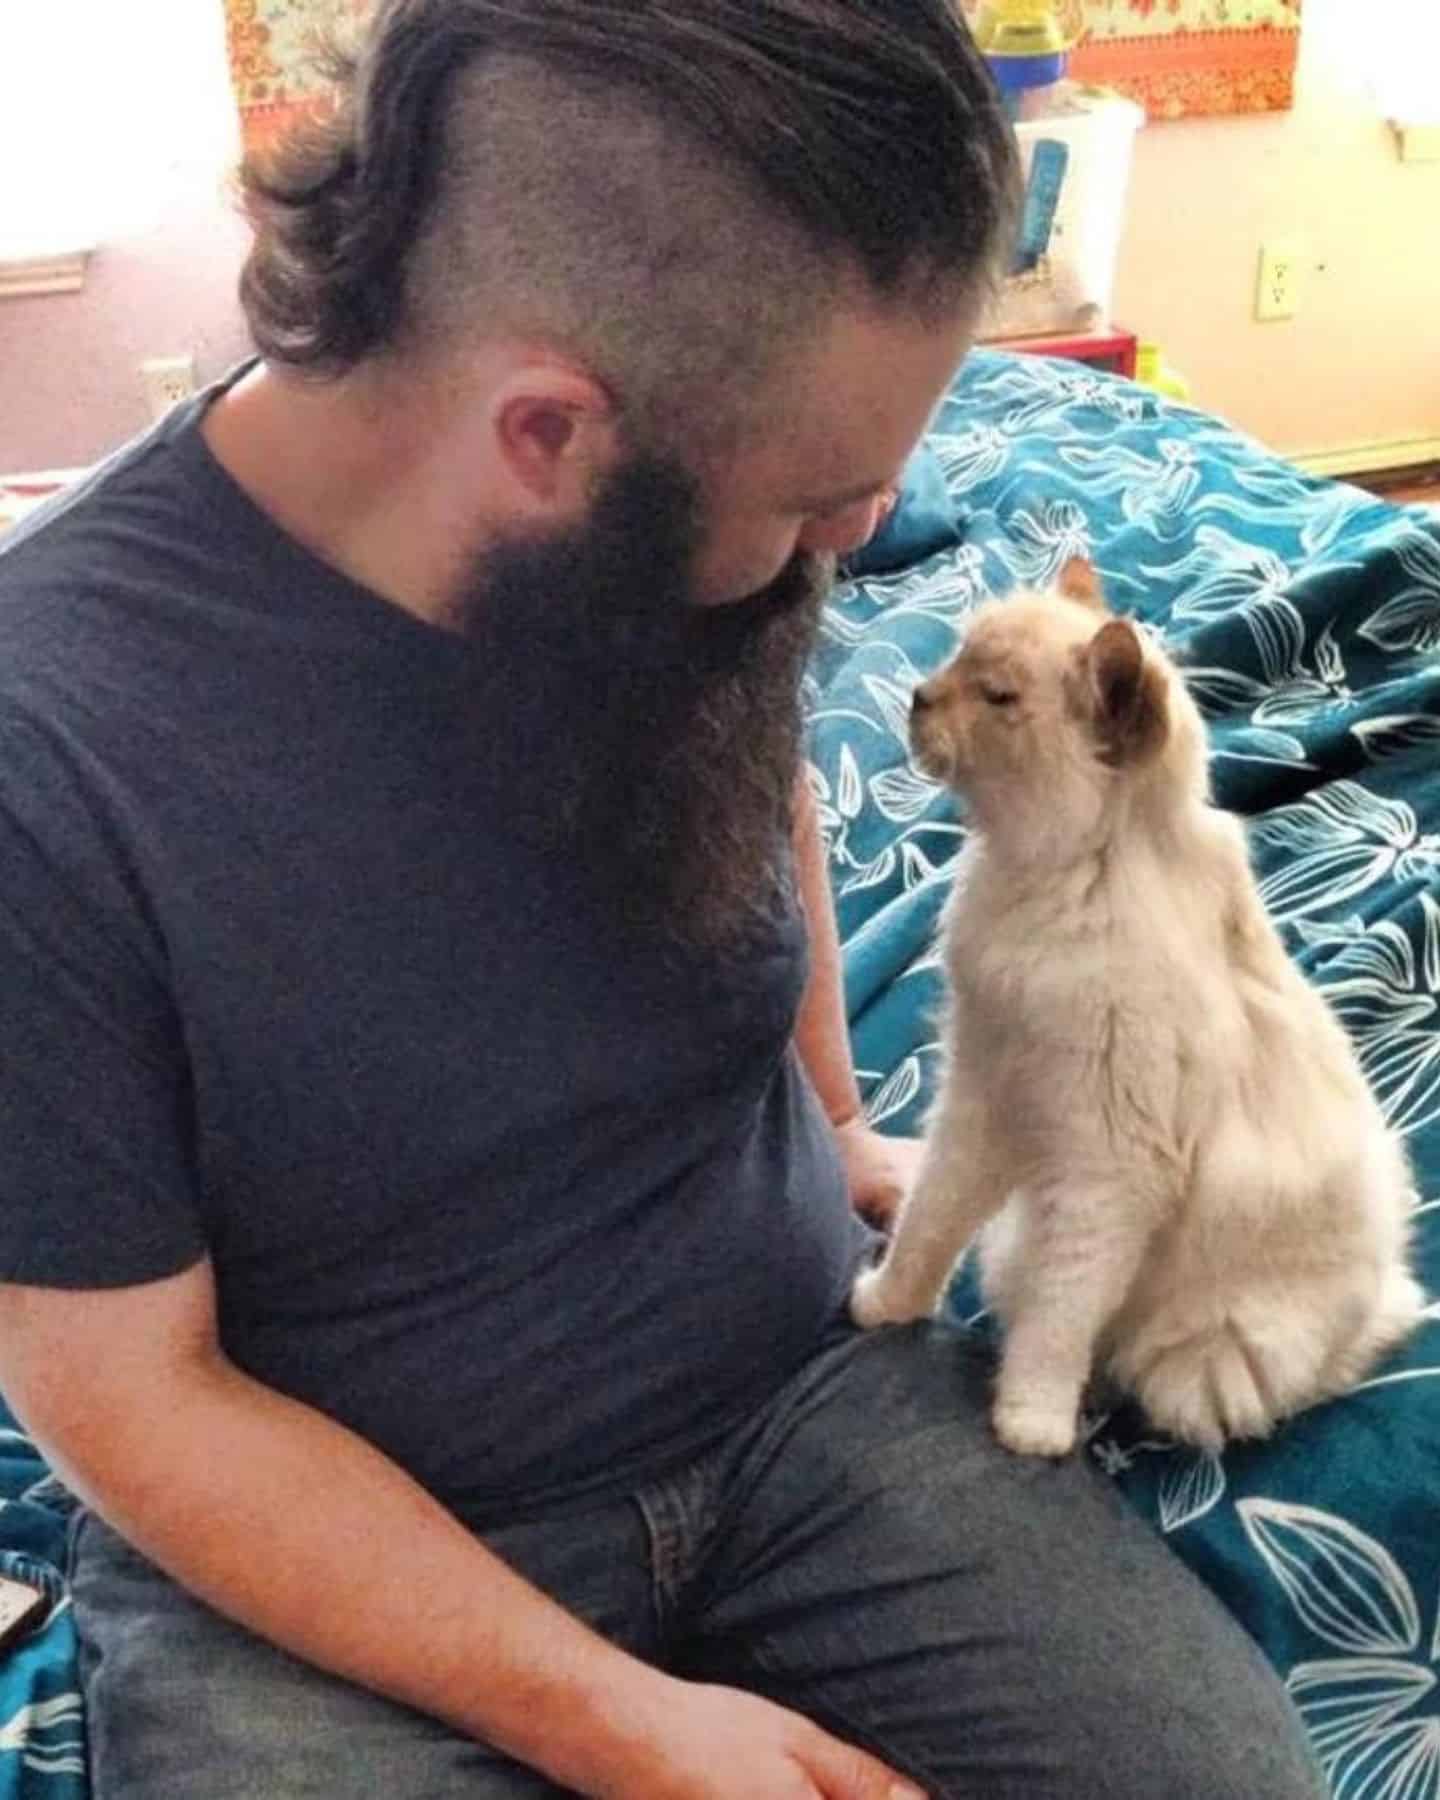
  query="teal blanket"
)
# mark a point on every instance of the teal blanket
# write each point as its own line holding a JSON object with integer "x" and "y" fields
{"x": 1308, "y": 615}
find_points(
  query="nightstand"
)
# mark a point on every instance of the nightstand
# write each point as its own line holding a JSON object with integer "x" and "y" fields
{"x": 1113, "y": 349}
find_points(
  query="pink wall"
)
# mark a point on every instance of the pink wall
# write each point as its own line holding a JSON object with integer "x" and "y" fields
{"x": 163, "y": 282}
{"x": 69, "y": 363}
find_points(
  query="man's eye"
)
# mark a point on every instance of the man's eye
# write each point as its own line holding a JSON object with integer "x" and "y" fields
{"x": 997, "y": 696}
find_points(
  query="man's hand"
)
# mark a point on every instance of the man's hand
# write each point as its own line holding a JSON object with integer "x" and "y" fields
{"x": 878, "y": 1169}
{"x": 720, "y": 1743}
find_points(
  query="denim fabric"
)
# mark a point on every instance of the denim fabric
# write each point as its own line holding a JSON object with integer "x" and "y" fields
{"x": 861, "y": 1550}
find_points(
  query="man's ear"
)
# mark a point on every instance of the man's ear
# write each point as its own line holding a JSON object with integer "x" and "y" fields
{"x": 555, "y": 428}
{"x": 1078, "y": 581}
{"x": 1128, "y": 707}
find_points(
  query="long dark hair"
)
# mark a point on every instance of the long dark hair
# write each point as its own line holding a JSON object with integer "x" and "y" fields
{"x": 869, "y": 129}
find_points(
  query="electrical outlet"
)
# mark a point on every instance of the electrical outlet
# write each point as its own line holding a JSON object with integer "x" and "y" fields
{"x": 167, "y": 381}
{"x": 1277, "y": 295}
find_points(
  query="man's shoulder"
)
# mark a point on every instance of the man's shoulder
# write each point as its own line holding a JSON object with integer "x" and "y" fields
{"x": 102, "y": 590}
{"x": 88, "y": 540}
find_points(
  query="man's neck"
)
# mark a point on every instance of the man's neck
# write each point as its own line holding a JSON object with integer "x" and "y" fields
{"x": 362, "y": 474}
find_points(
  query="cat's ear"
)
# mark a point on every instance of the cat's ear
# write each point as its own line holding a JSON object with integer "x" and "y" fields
{"x": 1078, "y": 581}
{"x": 1128, "y": 709}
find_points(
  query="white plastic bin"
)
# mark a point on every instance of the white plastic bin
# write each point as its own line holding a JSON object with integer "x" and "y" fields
{"x": 1077, "y": 160}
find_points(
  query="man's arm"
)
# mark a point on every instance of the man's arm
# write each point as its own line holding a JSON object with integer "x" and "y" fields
{"x": 879, "y": 1168}
{"x": 272, "y": 1513}
{"x": 822, "y": 1035}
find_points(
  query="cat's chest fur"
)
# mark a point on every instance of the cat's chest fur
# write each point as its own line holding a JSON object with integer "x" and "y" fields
{"x": 1072, "y": 956}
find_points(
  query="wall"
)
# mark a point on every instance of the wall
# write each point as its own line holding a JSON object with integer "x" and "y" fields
{"x": 1361, "y": 362}
{"x": 164, "y": 280}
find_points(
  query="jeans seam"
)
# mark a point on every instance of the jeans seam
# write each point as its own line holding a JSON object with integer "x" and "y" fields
{"x": 750, "y": 1463}
{"x": 834, "y": 1719}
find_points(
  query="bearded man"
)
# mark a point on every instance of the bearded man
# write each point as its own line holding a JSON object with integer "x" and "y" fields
{"x": 432, "y": 1169}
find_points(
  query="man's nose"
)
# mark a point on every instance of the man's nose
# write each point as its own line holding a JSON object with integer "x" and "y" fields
{"x": 845, "y": 531}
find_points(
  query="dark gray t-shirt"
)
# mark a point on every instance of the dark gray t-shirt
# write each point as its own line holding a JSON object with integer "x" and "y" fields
{"x": 532, "y": 1208}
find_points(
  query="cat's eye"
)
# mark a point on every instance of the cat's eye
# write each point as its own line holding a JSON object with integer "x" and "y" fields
{"x": 997, "y": 696}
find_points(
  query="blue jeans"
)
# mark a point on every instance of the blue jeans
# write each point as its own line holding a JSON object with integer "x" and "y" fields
{"x": 861, "y": 1551}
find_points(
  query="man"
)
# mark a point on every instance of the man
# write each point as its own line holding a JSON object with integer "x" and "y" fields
{"x": 426, "y": 1253}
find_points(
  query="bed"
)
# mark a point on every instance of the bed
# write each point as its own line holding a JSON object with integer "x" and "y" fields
{"x": 1307, "y": 615}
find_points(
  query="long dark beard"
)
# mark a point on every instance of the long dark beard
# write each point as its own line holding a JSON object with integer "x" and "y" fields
{"x": 656, "y": 739}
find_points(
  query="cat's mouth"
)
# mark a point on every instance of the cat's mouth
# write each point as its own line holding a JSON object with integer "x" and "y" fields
{"x": 933, "y": 750}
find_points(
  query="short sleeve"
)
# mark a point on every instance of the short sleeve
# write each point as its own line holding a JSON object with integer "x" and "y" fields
{"x": 97, "y": 1184}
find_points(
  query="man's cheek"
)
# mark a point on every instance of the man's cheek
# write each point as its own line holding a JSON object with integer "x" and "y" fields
{"x": 724, "y": 577}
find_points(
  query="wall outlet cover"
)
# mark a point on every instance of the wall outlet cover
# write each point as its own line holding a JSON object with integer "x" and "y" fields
{"x": 1277, "y": 293}
{"x": 167, "y": 381}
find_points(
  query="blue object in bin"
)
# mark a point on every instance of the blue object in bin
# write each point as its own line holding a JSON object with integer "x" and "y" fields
{"x": 1042, "y": 200}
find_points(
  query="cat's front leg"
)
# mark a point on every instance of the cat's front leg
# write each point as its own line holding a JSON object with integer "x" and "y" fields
{"x": 957, "y": 1188}
{"x": 1082, "y": 1248}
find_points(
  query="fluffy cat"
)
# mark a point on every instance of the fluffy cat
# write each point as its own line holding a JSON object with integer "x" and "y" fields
{"x": 1178, "y": 1174}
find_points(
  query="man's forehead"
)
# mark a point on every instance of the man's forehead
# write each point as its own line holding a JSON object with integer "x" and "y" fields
{"x": 856, "y": 402}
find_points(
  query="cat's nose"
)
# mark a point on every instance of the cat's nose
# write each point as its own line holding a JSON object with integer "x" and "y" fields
{"x": 922, "y": 699}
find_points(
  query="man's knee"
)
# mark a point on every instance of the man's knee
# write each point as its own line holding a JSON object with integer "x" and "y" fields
{"x": 1213, "y": 1723}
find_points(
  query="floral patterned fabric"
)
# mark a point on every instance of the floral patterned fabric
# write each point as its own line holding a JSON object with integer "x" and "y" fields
{"x": 1176, "y": 57}
{"x": 1183, "y": 57}
{"x": 1179, "y": 57}
{"x": 42, "y": 1732}
{"x": 271, "y": 45}
{"x": 1307, "y": 617}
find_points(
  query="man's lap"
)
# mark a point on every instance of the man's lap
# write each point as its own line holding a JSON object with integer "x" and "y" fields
{"x": 183, "y": 1705}
{"x": 989, "y": 1624}
{"x": 862, "y": 1551}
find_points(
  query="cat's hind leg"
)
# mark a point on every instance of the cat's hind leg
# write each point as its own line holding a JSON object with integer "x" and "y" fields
{"x": 1208, "y": 1377}
{"x": 1246, "y": 1338}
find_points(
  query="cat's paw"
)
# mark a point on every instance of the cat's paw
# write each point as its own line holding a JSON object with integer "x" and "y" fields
{"x": 867, "y": 1300}
{"x": 875, "y": 1300}
{"x": 1033, "y": 1430}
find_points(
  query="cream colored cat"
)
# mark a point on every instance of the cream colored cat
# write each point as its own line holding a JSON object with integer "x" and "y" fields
{"x": 1182, "y": 1177}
